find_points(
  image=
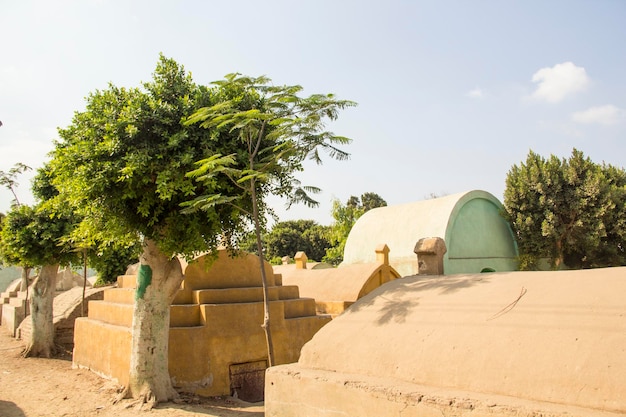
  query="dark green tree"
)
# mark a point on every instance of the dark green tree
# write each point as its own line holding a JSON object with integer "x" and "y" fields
{"x": 344, "y": 217}
{"x": 287, "y": 238}
{"x": 277, "y": 130}
{"x": 569, "y": 211}
{"x": 112, "y": 259}
{"x": 122, "y": 164}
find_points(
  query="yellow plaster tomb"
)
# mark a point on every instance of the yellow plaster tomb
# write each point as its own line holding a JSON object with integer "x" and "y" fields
{"x": 499, "y": 344}
{"x": 215, "y": 326}
{"x": 335, "y": 289}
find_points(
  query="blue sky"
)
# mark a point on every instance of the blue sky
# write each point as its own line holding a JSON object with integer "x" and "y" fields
{"x": 451, "y": 93}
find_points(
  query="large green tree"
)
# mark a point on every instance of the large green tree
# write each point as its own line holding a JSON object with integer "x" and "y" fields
{"x": 276, "y": 130}
{"x": 344, "y": 217}
{"x": 122, "y": 164}
{"x": 570, "y": 211}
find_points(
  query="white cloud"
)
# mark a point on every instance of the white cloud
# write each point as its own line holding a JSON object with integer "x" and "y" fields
{"x": 559, "y": 81}
{"x": 605, "y": 115}
{"x": 476, "y": 93}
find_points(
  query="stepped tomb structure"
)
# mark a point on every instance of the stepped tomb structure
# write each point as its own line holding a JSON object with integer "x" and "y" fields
{"x": 217, "y": 346}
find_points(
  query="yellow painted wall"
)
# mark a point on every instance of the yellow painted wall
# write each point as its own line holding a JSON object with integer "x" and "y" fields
{"x": 215, "y": 322}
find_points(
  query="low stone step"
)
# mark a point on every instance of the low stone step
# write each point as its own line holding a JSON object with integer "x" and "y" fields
{"x": 117, "y": 314}
{"x": 183, "y": 296}
{"x": 120, "y": 295}
{"x": 243, "y": 294}
{"x": 299, "y": 307}
{"x": 185, "y": 315}
{"x": 232, "y": 295}
{"x": 8, "y": 294}
{"x": 17, "y": 302}
{"x": 127, "y": 281}
{"x": 287, "y": 292}
{"x": 12, "y": 316}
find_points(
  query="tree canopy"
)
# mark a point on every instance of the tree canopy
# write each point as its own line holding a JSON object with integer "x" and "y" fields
{"x": 288, "y": 237}
{"x": 122, "y": 162}
{"x": 570, "y": 211}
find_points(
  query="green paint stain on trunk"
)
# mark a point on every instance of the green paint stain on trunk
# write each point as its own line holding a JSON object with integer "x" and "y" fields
{"x": 144, "y": 278}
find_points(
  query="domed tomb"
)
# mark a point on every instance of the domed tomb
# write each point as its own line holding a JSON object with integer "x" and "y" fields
{"x": 477, "y": 237}
{"x": 500, "y": 344}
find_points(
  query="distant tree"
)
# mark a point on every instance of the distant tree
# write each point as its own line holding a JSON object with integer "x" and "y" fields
{"x": 570, "y": 211}
{"x": 9, "y": 179}
{"x": 371, "y": 200}
{"x": 112, "y": 259}
{"x": 433, "y": 195}
{"x": 344, "y": 217}
{"x": 287, "y": 238}
{"x": 122, "y": 163}
{"x": 11, "y": 254}
{"x": 277, "y": 131}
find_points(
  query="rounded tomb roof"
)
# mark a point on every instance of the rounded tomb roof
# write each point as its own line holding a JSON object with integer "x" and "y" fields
{"x": 557, "y": 337}
{"x": 469, "y": 222}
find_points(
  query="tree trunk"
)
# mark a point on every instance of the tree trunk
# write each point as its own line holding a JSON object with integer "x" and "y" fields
{"x": 158, "y": 279}
{"x": 24, "y": 282}
{"x": 558, "y": 260}
{"x": 266, "y": 304}
{"x": 82, "y": 302}
{"x": 41, "y": 341}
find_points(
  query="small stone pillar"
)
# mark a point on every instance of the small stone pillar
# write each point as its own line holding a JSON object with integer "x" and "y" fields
{"x": 382, "y": 254}
{"x": 430, "y": 251}
{"x": 301, "y": 259}
{"x": 286, "y": 260}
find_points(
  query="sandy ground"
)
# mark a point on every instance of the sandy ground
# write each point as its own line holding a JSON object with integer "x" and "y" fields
{"x": 36, "y": 387}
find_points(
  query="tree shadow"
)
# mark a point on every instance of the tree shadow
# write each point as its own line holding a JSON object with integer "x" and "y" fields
{"x": 10, "y": 409}
{"x": 396, "y": 306}
{"x": 448, "y": 284}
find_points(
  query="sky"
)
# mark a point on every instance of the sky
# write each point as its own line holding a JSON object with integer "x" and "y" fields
{"x": 451, "y": 94}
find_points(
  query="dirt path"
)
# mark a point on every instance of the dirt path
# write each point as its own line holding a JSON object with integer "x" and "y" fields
{"x": 50, "y": 387}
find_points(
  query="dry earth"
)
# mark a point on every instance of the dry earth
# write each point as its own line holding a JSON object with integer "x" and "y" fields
{"x": 36, "y": 387}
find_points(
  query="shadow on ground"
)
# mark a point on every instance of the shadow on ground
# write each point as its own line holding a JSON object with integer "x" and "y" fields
{"x": 9, "y": 409}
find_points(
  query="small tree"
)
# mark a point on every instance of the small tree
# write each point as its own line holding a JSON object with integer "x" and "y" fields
{"x": 9, "y": 179}
{"x": 344, "y": 217}
{"x": 9, "y": 252}
{"x": 277, "y": 130}
{"x": 34, "y": 236}
{"x": 569, "y": 211}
